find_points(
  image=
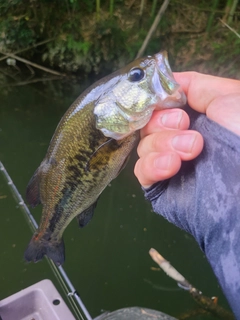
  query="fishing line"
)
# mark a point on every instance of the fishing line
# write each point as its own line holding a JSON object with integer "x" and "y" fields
{"x": 58, "y": 271}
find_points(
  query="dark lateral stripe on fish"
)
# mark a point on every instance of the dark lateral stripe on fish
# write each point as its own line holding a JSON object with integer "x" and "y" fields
{"x": 59, "y": 207}
{"x": 75, "y": 170}
{"x": 72, "y": 184}
{"x": 55, "y": 218}
{"x": 81, "y": 158}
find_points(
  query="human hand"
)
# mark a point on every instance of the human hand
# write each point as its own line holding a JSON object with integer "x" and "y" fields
{"x": 166, "y": 140}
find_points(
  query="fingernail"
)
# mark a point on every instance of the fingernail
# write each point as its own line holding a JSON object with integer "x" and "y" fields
{"x": 184, "y": 142}
{"x": 172, "y": 119}
{"x": 163, "y": 162}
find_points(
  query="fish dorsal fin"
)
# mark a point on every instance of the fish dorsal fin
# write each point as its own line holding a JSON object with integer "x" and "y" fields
{"x": 86, "y": 216}
{"x": 33, "y": 192}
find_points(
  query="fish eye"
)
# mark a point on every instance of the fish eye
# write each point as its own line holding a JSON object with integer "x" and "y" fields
{"x": 136, "y": 74}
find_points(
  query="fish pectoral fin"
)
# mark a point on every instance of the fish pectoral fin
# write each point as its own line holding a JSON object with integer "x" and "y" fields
{"x": 98, "y": 154}
{"x": 86, "y": 216}
{"x": 33, "y": 192}
{"x": 123, "y": 165}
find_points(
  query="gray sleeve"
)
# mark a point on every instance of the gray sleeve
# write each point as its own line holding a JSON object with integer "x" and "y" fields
{"x": 203, "y": 198}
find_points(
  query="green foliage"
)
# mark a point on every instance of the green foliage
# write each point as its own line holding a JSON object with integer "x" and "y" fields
{"x": 68, "y": 54}
{"x": 220, "y": 51}
{"x": 8, "y": 4}
{"x": 93, "y": 35}
{"x": 77, "y": 46}
{"x": 16, "y": 33}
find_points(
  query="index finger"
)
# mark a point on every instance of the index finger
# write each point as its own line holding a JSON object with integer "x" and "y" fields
{"x": 202, "y": 89}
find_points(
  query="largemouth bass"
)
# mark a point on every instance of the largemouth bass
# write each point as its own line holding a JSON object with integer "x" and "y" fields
{"x": 91, "y": 146}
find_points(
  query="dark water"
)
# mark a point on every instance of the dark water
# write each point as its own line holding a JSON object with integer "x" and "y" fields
{"x": 108, "y": 260}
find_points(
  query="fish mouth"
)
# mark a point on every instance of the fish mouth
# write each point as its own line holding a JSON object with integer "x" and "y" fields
{"x": 165, "y": 86}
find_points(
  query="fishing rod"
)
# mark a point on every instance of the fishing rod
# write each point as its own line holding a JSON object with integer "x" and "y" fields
{"x": 58, "y": 271}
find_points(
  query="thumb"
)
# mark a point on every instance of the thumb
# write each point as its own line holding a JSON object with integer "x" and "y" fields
{"x": 218, "y": 98}
{"x": 225, "y": 110}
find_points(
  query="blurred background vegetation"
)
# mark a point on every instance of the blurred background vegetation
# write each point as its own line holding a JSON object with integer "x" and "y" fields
{"x": 96, "y": 36}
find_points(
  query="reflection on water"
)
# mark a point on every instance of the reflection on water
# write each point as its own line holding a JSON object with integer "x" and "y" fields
{"x": 161, "y": 288}
{"x": 108, "y": 260}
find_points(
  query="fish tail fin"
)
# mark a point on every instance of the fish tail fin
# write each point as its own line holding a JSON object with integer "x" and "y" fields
{"x": 37, "y": 249}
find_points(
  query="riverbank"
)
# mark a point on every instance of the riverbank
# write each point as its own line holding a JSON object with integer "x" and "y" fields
{"x": 88, "y": 37}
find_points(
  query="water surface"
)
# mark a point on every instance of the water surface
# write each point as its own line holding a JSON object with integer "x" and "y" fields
{"x": 108, "y": 260}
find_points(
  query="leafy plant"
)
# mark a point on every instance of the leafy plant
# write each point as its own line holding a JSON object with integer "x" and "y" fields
{"x": 94, "y": 35}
